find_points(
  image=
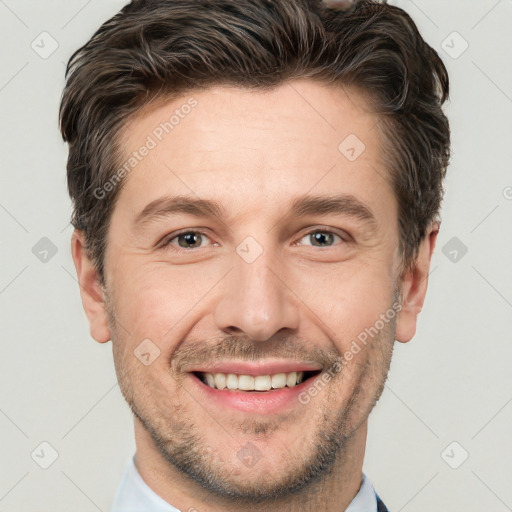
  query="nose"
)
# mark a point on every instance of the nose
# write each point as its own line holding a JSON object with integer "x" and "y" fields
{"x": 256, "y": 300}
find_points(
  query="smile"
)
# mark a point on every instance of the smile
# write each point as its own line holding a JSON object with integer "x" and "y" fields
{"x": 258, "y": 387}
{"x": 234, "y": 382}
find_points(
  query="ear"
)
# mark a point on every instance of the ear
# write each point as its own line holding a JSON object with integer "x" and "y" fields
{"x": 91, "y": 290}
{"x": 414, "y": 286}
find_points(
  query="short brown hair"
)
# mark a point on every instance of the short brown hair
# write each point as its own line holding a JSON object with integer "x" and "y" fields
{"x": 162, "y": 48}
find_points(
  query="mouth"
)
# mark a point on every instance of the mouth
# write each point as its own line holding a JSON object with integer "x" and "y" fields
{"x": 270, "y": 387}
{"x": 258, "y": 383}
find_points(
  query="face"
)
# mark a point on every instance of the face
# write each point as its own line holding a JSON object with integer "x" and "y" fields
{"x": 254, "y": 246}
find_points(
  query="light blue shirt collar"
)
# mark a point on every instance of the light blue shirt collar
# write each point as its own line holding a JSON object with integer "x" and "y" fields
{"x": 134, "y": 495}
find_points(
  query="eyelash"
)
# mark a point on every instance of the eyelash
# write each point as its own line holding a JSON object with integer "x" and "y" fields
{"x": 168, "y": 241}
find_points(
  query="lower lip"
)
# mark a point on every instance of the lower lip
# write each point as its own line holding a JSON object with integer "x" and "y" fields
{"x": 259, "y": 402}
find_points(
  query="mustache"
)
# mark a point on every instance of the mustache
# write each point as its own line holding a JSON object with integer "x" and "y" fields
{"x": 242, "y": 348}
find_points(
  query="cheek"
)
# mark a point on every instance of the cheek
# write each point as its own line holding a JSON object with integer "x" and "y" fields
{"x": 345, "y": 301}
{"x": 153, "y": 300}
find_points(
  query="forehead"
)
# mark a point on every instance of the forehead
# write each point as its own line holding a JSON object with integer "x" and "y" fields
{"x": 252, "y": 149}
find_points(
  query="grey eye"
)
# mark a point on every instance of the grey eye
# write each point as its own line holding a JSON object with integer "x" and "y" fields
{"x": 321, "y": 238}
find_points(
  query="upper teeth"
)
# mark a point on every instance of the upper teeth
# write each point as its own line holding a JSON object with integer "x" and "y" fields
{"x": 250, "y": 383}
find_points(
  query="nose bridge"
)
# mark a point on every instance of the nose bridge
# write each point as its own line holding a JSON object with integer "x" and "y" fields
{"x": 255, "y": 300}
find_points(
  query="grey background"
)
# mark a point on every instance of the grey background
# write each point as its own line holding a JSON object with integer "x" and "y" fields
{"x": 452, "y": 383}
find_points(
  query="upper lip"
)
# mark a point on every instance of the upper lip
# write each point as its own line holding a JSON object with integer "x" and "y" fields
{"x": 270, "y": 367}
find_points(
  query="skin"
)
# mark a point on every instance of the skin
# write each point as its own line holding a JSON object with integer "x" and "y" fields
{"x": 254, "y": 152}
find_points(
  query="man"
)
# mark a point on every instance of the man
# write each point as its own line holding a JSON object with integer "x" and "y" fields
{"x": 256, "y": 188}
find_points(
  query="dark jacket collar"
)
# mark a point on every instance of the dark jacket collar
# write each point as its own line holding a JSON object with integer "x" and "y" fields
{"x": 380, "y": 505}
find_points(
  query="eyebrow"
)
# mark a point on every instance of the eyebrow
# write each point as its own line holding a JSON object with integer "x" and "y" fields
{"x": 303, "y": 206}
{"x": 167, "y": 206}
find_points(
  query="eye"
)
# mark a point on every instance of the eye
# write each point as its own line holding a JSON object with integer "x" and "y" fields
{"x": 193, "y": 239}
{"x": 321, "y": 238}
{"x": 186, "y": 240}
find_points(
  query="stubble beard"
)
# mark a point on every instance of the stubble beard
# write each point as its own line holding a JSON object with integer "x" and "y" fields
{"x": 181, "y": 443}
